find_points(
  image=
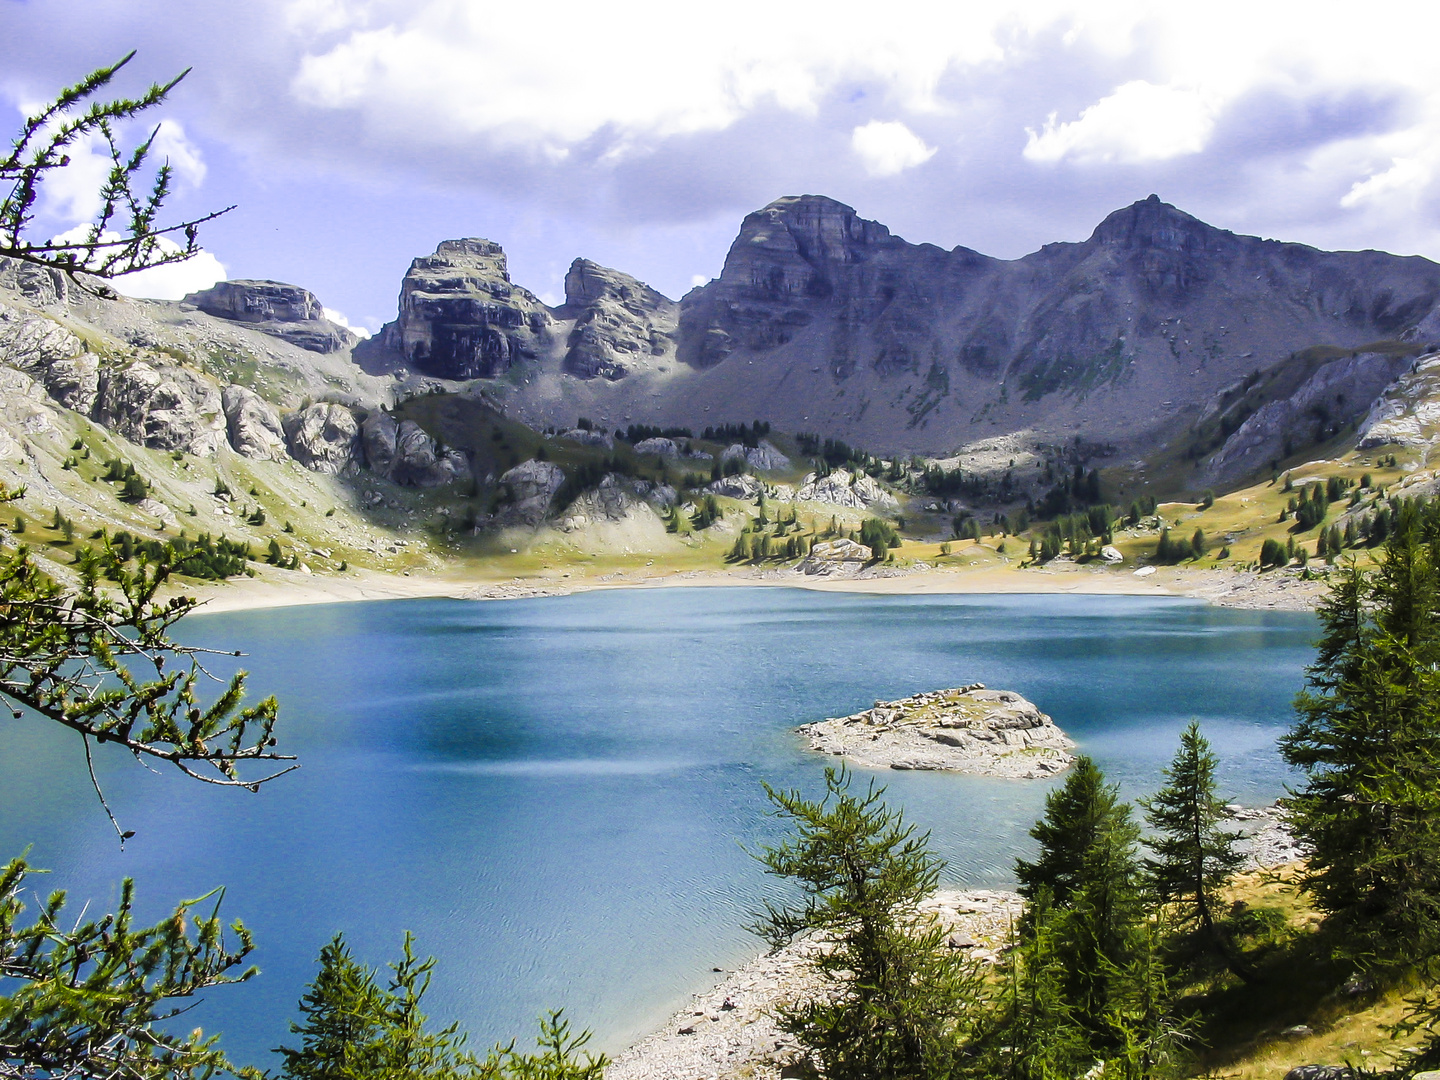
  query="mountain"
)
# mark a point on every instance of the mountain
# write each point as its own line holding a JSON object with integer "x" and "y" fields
{"x": 1155, "y": 331}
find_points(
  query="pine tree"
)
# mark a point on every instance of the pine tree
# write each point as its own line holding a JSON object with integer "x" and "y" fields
{"x": 898, "y": 1003}
{"x": 1087, "y": 870}
{"x": 1368, "y": 739}
{"x": 356, "y": 1029}
{"x": 1193, "y": 856}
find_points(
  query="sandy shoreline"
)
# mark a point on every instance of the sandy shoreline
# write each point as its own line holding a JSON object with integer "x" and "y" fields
{"x": 1276, "y": 590}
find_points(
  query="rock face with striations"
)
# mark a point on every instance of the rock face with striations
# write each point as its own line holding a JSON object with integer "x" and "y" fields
{"x": 253, "y": 424}
{"x": 405, "y": 454}
{"x": 285, "y": 311}
{"x": 325, "y": 438}
{"x": 163, "y": 406}
{"x": 462, "y": 318}
{"x": 618, "y": 321}
{"x": 824, "y": 321}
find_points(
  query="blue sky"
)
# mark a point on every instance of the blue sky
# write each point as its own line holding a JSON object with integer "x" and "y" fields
{"x": 357, "y": 134}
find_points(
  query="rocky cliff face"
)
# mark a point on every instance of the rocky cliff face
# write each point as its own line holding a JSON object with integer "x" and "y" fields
{"x": 286, "y": 311}
{"x": 619, "y": 322}
{"x": 462, "y": 318}
{"x": 824, "y": 321}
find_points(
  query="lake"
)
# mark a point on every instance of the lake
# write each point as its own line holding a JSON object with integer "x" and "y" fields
{"x": 558, "y": 796}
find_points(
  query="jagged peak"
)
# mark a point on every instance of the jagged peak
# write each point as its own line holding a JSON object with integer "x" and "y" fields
{"x": 1151, "y": 222}
{"x": 588, "y": 281}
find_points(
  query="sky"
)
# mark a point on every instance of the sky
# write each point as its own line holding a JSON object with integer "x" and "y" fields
{"x": 355, "y": 135}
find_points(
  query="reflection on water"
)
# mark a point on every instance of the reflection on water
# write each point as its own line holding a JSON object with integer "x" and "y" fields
{"x": 558, "y": 795}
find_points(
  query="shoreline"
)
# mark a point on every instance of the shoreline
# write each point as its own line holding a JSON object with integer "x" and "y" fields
{"x": 1272, "y": 591}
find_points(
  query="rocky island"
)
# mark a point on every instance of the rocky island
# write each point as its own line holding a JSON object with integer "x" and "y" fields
{"x": 966, "y": 729}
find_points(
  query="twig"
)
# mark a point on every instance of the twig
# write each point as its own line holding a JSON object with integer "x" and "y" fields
{"x": 90, "y": 765}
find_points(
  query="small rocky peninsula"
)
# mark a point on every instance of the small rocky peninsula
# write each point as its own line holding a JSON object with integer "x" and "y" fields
{"x": 967, "y": 729}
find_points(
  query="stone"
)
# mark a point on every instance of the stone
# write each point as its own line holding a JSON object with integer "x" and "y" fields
{"x": 1111, "y": 554}
{"x": 252, "y": 424}
{"x": 854, "y": 491}
{"x": 740, "y": 486}
{"x": 1321, "y": 1072}
{"x": 530, "y": 486}
{"x": 764, "y": 457}
{"x": 284, "y": 311}
{"x": 667, "y": 448}
{"x": 1297, "y": 1031}
{"x": 163, "y": 406}
{"x": 462, "y": 318}
{"x": 969, "y": 729}
{"x": 325, "y": 438}
{"x": 831, "y": 558}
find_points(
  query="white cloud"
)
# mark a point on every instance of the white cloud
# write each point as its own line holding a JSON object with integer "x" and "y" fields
{"x": 697, "y": 280}
{"x": 1405, "y": 176}
{"x": 169, "y": 282}
{"x": 339, "y": 319}
{"x": 888, "y": 147}
{"x": 447, "y": 70}
{"x": 184, "y": 156}
{"x": 1138, "y": 122}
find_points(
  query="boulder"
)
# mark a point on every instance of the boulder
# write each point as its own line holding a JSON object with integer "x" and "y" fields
{"x": 531, "y": 486}
{"x": 325, "y": 438}
{"x": 1322, "y": 1072}
{"x": 420, "y": 462}
{"x": 379, "y": 434}
{"x": 660, "y": 447}
{"x": 736, "y": 487}
{"x": 460, "y": 316}
{"x": 1111, "y": 554}
{"x": 842, "y": 488}
{"x": 284, "y": 311}
{"x": 589, "y": 438}
{"x": 252, "y": 424}
{"x": 835, "y": 557}
{"x": 162, "y": 406}
{"x": 763, "y": 457}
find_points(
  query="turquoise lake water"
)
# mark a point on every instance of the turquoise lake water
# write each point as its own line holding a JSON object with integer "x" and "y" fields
{"x": 557, "y": 795}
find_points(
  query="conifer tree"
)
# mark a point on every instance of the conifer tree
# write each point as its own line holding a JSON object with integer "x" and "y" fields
{"x": 897, "y": 1002}
{"x": 1087, "y": 870}
{"x": 1193, "y": 856}
{"x": 1368, "y": 740}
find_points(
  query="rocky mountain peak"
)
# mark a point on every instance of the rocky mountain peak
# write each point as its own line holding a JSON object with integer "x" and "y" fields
{"x": 485, "y": 257}
{"x": 460, "y": 316}
{"x": 1153, "y": 224}
{"x": 619, "y": 321}
{"x": 286, "y": 311}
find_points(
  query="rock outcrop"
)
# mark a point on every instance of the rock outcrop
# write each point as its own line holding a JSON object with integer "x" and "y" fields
{"x": 1313, "y": 412}
{"x": 253, "y": 424}
{"x": 163, "y": 406}
{"x": 52, "y": 355}
{"x": 1408, "y": 413}
{"x": 325, "y": 438}
{"x": 835, "y": 558}
{"x": 405, "y": 454}
{"x": 618, "y": 321}
{"x": 968, "y": 729}
{"x": 854, "y": 491}
{"x": 764, "y": 457}
{"x": 736, "y": 487}
{"x": 284, "y": 311}
{"x": 462, "y": 318}
{"x": 531, "y": 487}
